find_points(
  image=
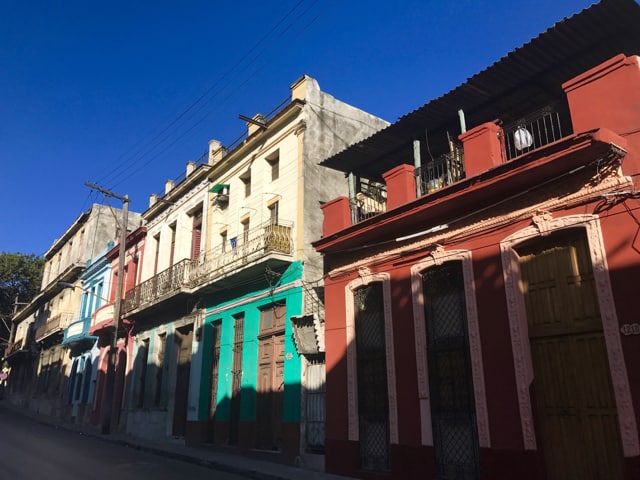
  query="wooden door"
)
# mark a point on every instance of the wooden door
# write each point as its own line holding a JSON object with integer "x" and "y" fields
{"x": 184, "y": 340}
{"x": 236, "y": 386}
{"x": 574, "y": 406}
{"x": 215, "y": 372}
{"x": 270, "y": 391}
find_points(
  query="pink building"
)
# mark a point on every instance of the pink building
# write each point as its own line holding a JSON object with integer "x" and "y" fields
{"x": 102, "y": 326}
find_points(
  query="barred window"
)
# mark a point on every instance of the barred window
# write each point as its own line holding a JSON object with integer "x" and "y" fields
{"x": 373, "y": 398}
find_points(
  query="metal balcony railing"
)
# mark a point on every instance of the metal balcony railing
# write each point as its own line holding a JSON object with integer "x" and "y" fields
{"x": 534, "y": 131}
{"x": 251, "y": 246}
{"x": 167, "y": 282}
{"x": 313, "y": 300}
{"x": 54, "y": 324}
{"x": 441, "y": 171}
{"x": 370, "y": 201}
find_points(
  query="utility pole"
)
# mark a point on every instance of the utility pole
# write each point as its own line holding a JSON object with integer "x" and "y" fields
{"x": 12, "y": 329}
{"x": 110, "y": 402}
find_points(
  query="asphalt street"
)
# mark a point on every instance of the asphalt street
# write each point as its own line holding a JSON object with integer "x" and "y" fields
{"x": 31, "y": 450}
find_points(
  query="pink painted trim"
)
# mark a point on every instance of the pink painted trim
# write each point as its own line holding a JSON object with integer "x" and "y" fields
{"x": 366, "y": 277}
{"x": 543, "y": 225}
{"x": 438, "y": 257}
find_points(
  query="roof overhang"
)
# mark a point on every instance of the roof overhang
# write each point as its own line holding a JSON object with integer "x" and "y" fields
{"x": 526, "y": 79}
{"x": 539, "y": 167}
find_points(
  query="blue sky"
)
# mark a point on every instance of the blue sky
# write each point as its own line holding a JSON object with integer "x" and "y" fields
{"x": 123, "y": 94}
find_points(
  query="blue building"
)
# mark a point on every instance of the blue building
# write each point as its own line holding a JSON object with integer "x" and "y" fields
{"x": 82, "y": 347}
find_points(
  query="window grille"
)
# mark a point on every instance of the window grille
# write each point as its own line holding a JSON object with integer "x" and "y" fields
{"x": 373, "y": 399}
{"x": 315, "y": 404}
{"x": 453, "y": 416}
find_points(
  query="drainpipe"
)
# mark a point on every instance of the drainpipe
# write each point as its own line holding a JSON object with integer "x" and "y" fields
{"x": 417, "y": 163}
{"x": 463, "y": 123}
{"x": 352, "y": 198}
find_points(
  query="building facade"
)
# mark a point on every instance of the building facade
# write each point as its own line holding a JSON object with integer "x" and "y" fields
{"x": 227, "y": 340}
{"x": 480, "y": 311}
{"x": 43, "y": 387}
{"x": 259, "y": 350}
{"x": 110, "y": 397}
{"x": 94, "y": 282}
{"x": 160, "y": 307}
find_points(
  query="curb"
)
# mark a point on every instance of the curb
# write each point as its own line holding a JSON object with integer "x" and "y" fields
{"x": 249, "y": 471}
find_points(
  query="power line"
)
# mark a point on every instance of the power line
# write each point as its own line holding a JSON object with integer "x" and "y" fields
{"x": 237, "y": 87}
{"x": 200, "y": 103}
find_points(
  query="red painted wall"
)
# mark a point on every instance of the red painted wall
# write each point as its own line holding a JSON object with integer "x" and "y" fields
{"x": 608, "y": 97}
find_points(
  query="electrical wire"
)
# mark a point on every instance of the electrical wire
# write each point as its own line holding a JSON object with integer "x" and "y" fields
{"x": 207, "y": 92}
{"x": 208, "y": 112}
{"x": 131, "y": 166}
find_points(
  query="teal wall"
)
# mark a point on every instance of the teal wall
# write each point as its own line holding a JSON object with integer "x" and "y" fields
{"x": 251, "y": 310}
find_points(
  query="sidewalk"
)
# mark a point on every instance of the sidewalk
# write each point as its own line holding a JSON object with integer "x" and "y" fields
{"x": 247, "y": 467}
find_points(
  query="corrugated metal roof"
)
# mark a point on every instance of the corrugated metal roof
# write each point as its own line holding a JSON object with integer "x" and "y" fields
{"x": 526, "y": 79}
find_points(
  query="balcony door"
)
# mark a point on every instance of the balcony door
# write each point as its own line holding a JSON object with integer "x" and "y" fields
{"x": 215, "y": 374}
{"x": 184, "y": 339}
{"x": 236, "y": 385}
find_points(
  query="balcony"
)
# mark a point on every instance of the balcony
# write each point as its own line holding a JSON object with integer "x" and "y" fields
{"x": 441, "y": 171}
{"x": 369, "y": 201}
{"x": 77, "y": 335}
{"x": 255, "y": 245}
{"x": 54, "y": 325}
{"x": 186, "y": 275}
{"x": 533, "y": 131}
{"x": 101, "y": 319}
{"x": 164, "y": 284}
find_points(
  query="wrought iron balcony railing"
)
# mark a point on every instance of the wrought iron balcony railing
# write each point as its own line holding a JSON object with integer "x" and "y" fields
{"x": 534, "y": 131}
{"x": 56, "y": 323}
{"x": 441, "y": 171}
{"x": 371, "y": 200}
{"x": 252, "y": 246}
{"x": 313, "y": 298}
{"x": 167, "y": 282}
{"x": 187, "y": 274}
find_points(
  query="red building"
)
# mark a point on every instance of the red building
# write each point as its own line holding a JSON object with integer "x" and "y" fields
{"x": 480, "y": 284}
